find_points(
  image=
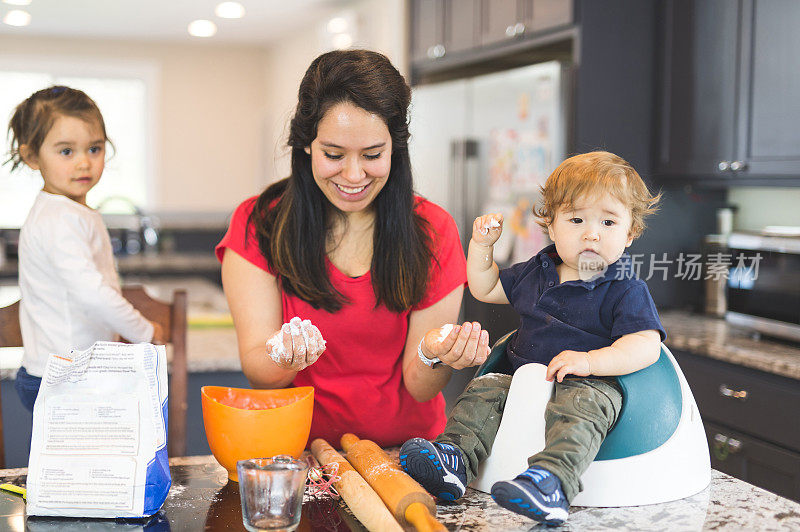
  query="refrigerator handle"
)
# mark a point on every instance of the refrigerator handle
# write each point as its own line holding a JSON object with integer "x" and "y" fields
{"x": 463, "y": 193}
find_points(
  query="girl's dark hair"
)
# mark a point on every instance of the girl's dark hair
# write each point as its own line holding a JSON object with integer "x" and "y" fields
{"x": 33, "y": 118}
{"x": 292, "y": 216}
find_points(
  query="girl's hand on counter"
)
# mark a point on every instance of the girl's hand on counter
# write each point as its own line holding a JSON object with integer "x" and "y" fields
{"x": 464, "y": 346}
{"x": 297, "y": 345}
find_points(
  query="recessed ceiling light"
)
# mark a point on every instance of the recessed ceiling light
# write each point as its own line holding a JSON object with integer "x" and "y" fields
{"x": 229, "y": 10}
{"x": 17, "y": 2}
{"x": 337, "y": 25}
{"x": 202, "y": 28}
{"x": 17, "y": 17}
{"x": 342, "y": 41}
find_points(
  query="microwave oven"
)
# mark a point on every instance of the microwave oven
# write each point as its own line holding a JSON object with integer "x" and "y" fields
{"x": 763, "y": 284}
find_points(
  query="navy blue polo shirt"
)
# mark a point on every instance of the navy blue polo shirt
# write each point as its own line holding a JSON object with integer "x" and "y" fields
{"x": 576, "y": 315}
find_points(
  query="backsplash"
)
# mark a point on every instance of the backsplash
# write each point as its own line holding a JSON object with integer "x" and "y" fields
{"x": 760, "y": 207}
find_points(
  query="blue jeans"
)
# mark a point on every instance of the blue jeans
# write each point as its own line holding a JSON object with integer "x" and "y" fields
{"x": 27, "y": 388}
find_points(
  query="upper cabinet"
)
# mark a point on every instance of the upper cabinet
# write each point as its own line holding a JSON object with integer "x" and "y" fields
{"x": 770, "y": 143}
{"x": 729, "y": 100}
{"x": 502, "y": 20}
{"x": 427, "y": 32}
{"x": 441, "y": 28}
{"x": 512, "y": 19}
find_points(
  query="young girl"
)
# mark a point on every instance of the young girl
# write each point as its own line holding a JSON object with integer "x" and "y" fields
{"x": 71, "y": 295}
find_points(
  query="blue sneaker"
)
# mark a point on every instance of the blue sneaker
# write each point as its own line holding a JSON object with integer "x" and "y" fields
{"x": 534, "y": 493}
{"x": 439, "y": 467}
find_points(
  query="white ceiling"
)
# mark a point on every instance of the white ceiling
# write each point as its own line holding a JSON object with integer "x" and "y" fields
{"x": 166, "y": 20}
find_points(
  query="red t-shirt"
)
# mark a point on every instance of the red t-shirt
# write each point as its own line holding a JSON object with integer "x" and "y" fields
{"x": 358, "y": 381}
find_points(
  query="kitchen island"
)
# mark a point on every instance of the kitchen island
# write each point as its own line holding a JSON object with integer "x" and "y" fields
{"x": 201, "y": 498}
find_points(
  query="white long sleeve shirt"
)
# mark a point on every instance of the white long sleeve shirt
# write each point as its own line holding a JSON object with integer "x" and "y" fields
{"x": 71, "y": 295}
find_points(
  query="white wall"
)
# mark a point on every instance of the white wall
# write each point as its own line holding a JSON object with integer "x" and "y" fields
{"x": 209, "y": 105}
{"x": 222, "y": 110}
{"x": 381, "y": 27}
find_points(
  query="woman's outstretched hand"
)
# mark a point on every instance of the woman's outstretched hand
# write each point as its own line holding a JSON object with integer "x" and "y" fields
{"x": 458, "y": 346}
{"x": 297, "y": 345}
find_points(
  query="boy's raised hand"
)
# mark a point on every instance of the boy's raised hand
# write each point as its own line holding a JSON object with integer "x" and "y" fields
{"x": 464, "y": 346}
{"x": 568, "y": 363}
{"x": 487, "y": 229}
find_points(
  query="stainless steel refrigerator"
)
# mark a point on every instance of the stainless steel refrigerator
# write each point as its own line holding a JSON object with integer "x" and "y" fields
{"x": 485, "y": 144}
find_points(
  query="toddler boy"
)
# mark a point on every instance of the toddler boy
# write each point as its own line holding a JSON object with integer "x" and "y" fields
{"x": 584, "y": 314}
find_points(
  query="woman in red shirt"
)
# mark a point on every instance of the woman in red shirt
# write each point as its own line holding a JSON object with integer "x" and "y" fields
{"x": 343, "y": 273}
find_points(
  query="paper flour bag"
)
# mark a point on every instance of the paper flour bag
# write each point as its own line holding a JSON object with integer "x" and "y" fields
{"x": 99, "y": 442}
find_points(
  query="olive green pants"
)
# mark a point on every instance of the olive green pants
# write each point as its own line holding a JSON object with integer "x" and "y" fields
{"x": 577, "y": 419}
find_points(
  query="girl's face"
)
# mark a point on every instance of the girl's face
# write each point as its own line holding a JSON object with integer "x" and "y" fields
{"x": 71, "y": 158}
{"x": 351, "y": 156}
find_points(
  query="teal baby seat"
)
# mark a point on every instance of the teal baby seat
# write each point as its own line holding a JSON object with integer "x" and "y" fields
{"x": 647, "y": 419}
{"x": 656, "y": 451}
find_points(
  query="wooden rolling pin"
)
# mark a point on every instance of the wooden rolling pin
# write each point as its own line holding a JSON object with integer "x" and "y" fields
{"x": 359, "y": 496}
{"x": 408, "y": 501}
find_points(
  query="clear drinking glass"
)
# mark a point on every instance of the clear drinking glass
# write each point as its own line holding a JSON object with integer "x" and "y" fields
{"x": 271, "y": 490}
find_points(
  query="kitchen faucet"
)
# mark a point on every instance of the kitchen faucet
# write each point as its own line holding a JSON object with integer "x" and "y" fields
{"x": 146, "y": 224}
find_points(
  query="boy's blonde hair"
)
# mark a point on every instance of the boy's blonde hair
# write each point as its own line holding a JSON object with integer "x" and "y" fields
{"x": 593, "y": 173}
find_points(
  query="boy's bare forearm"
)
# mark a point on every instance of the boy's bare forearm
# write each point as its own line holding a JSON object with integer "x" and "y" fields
{"x": 629, "y": 353}
{"x": 482, "y": 272}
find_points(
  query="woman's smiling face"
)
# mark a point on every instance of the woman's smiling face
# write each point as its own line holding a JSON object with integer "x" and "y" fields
{"x": 351, "y": 156}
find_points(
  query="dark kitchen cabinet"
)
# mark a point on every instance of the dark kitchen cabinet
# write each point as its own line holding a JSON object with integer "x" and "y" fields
{"x": 728, "y": 103}
{"x": 770, "y": 138}
{"x": 462, "y": 24}
{"x": 427, "y": 30}
{"x": 755, "y": 461}
{"x": 750, "y": 419}
{"x": 699, "y": 70}
{"x": 541, "y": 15}
{"x": 502, "y": 20}
{"x": 441, "y": 28}
{"x": 505, "y": 20}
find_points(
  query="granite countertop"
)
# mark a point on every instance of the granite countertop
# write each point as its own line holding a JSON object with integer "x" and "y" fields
{"x": 216, "y": 349}
{"x": 212, "y": 346}
{"x": 716, "y": 338}
{"x": 210, "y": 341}
{"x": 167, "y": 262}
{"x": 143, "y": 263}
{"x": 201, "y": 497}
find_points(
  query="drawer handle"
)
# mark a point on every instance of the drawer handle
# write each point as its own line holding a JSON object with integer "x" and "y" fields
{"x": 734, "y": 394}
{"x": 724, "y": 446}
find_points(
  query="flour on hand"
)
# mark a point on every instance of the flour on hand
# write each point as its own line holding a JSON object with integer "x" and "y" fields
{"x": 306, "y": 340}
{"x": 444, "y": 332}
{"x": 491, "y": 224}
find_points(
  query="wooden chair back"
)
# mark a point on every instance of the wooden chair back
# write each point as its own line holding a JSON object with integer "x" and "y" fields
{"x": 10, "y": 336}
{"x": 172, "y": 318}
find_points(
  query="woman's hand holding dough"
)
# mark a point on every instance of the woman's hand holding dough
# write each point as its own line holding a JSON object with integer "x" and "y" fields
{"x": 463, "y": 346}
{"x": 297, "y": 345}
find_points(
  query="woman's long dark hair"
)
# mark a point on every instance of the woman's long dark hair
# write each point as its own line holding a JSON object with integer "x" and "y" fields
{"x": 292, "y": 216}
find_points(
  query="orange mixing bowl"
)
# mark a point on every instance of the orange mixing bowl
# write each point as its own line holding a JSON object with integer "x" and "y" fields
{"x": 242, "y": 424}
